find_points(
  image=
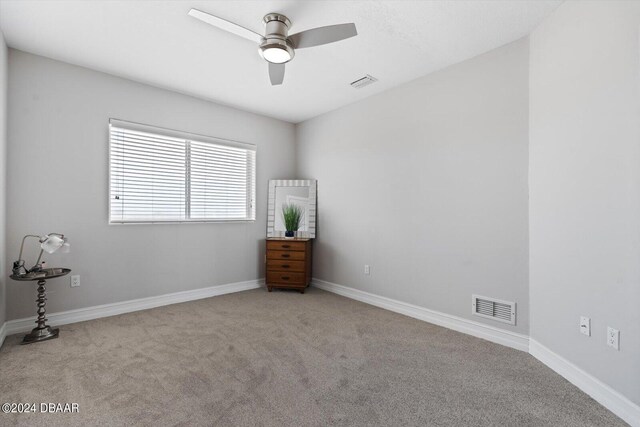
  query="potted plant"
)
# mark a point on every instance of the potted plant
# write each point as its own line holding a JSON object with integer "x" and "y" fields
{"x": 292, "y": 215}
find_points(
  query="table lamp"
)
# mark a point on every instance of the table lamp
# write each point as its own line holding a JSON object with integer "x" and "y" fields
{"x": 49, "y": 243}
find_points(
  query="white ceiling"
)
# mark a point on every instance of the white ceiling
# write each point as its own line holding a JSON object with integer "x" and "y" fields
{"x": 155, "y": 42}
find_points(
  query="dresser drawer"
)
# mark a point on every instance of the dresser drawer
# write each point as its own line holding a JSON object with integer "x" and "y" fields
{"x": 285, "y": 277}
{"x": 279, "y": 245}
{"x": 299, "y": 256}
{"x": 285, "y": 265}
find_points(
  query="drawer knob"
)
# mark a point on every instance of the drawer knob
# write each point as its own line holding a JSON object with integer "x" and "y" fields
{"x": 285, "y": 255}
{"x": 286, "y": 246}
{"x": 285, "y": 265}
{"x": 285, "y": 277}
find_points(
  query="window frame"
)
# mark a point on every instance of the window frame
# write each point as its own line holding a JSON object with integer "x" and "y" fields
{"x": 188, "y": 137}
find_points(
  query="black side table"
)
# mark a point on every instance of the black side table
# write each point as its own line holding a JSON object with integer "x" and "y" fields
{"x": 42, "y": 332}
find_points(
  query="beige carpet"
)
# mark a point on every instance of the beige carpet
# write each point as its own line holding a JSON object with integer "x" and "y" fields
{"x": 284, "y": 359}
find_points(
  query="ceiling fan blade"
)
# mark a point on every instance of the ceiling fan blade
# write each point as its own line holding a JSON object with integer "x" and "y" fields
{"x": 323, "y": 35}
{"x": 276, "y": 73}
{"x": 226, "y": 25}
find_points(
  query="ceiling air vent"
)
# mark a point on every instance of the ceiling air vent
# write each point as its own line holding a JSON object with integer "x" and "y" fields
{"x": 502, "y": 311}
{"x": 363, "y": 81}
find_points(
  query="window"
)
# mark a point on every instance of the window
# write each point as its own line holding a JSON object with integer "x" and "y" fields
{"x": 160, "y": 175}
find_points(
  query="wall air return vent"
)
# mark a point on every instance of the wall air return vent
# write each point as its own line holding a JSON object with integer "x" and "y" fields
{"x": 363, "y": 81}
{"x": 502, "y": 311}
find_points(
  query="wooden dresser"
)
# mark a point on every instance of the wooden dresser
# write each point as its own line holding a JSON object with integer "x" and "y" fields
{"x": 288, "y": 263}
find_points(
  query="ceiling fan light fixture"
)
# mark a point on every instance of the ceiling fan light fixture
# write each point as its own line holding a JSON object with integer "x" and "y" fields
{"x": 276, "y": 51}
{"x": 277, "y": 47}
{"x": 276, "y": 55}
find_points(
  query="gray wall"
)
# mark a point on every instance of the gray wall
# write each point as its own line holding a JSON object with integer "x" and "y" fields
{"x": 585, "y": 187}
{"x": 427, "y": 183}
{"x": 3, "y": 176}
{"x": 57, "y": 181}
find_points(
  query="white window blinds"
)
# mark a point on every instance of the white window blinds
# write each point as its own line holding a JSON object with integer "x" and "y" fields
{"x": 160, "y": 175}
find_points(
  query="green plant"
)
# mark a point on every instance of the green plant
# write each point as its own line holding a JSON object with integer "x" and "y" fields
{"x": 292, "y": 215}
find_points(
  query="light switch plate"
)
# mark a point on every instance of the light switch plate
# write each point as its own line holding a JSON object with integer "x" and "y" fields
{"x": 585, "y": 326}
{"x": 75, "y": 281}
{"x": 367, "y": 269}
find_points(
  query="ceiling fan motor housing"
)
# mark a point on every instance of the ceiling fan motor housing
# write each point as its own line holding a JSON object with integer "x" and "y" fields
{"x": 276, "y": 36}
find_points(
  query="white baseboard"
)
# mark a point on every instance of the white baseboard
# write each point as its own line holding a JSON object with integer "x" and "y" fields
{"x": 599, "y": 391}
{"x": 477, "y": 329}
{"x": 106, "y": 310}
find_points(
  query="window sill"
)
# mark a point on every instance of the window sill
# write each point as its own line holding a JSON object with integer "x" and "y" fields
{"x": 195, "y": 221}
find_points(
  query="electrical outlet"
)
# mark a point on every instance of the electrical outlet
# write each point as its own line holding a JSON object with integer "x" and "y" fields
{"x": 75, "y": 281}
{"x": 613, "y": 338}
{"x": 585, "y": 326}
{"x": 367, "y": 269}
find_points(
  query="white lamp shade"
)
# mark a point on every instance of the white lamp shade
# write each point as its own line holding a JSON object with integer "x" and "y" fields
{"x": 52, "y": 244}
{"x": 66, "y": 248}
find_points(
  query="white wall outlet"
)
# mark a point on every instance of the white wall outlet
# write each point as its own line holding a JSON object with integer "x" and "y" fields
{"x": 613, "y": 338}
{"x": 585, "y": 326}
{"x": 367, "y": 269}
{"x": 75, "y": 281}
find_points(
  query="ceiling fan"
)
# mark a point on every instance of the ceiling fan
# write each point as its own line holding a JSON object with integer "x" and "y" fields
{"x": 277, "y": 47}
